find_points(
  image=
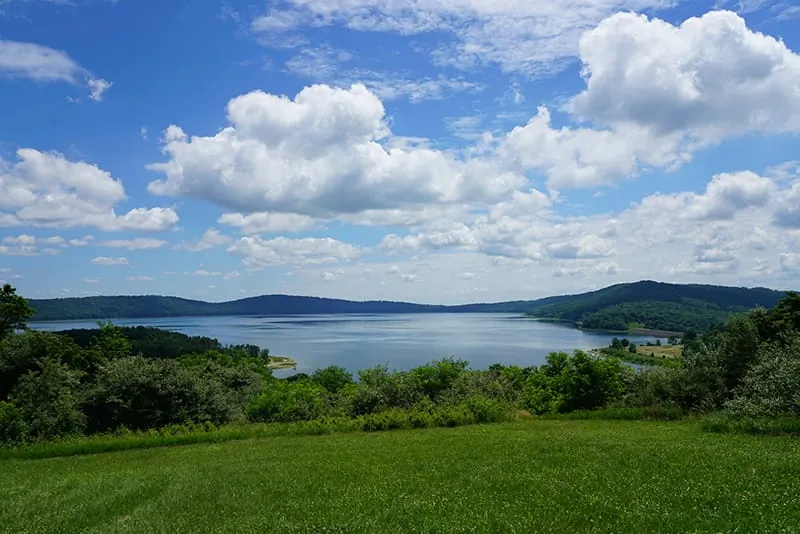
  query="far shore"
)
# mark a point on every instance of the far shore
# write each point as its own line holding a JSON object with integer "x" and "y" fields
{"x": 281, "y": 362}
{"x": 652, "y": 332}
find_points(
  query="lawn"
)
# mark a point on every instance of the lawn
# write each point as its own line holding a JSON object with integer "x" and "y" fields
{"x": 669, "y": 351}
{"x": 528, "y": 476}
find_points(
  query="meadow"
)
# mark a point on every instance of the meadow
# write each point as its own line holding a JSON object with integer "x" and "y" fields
{"x": 668, "y": 351}
{"x": 527, "y": 476}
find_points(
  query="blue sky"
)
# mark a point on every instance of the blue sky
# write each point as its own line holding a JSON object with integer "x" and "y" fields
{"x": 427, "y": 150}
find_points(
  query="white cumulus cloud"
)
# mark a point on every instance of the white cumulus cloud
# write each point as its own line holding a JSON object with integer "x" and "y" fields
{"x": 46, "y": 189}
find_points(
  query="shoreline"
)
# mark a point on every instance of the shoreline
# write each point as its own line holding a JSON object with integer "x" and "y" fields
{"x": 653, "y": 332}
{"x": 281, "y": 362}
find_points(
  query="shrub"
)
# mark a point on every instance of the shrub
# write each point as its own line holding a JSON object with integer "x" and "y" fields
{"x": 772, "y": 387}
{"x": 333, "y": 378}
{"x": 47, "y": 401}
{"x": 485, "y": 410}
{"x": 578, "y": 382}
{"x": 657, "y": 386}
{"x": 288, "y": 401}
{"x": 22, "y": 353}
{"x": 12, "y": 424}
{"x": 438, "y": 376}
{"x": 140, "y": 393}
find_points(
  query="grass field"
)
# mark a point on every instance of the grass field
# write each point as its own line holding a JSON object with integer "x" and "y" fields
{"x": 670, "y": 351}
{"x": 529, "y": 476}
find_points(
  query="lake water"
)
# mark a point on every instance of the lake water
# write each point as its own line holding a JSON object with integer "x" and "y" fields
{"x": 400, "y": 341}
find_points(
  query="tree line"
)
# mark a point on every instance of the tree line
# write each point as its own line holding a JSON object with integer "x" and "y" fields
{"x": 55, "y": 385}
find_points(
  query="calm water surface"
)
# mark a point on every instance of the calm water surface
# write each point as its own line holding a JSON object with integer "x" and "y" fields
{"x": 400, "y": 341}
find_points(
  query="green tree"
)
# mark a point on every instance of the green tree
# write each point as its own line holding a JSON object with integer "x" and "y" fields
{"x": 14, "y": 311}
{"x": 625, "y": 343}
{"x": 49, "y": 401}
{"x": 333, "y": 378}
{"x": 632, "y": 348}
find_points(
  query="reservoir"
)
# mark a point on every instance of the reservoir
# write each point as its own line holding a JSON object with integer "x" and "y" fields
{"x": 400, "y": 341}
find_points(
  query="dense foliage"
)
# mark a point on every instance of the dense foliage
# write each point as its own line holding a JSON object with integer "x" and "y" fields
{"x": 153, "y": 342}
{"x": 657, "y": 306}
{"x": 671, "y": 316}
{"x": 748, "y": 368}
{"x": 139, "y": 379}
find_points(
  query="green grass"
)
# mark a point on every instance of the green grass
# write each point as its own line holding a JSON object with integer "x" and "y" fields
{"x": 669, "y": 351}
{"x": 531, "y": 476}
{"x": 640, "y": 358}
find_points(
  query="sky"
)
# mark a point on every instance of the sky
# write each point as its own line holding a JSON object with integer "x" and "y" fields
{"x": 438, "y": 151}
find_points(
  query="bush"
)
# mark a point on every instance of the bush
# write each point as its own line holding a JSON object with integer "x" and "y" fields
{"x": 333, "y": 378}
{"x": 438, "y": 376}
{"x": 578, "y": 382}
{"x": 485, "y": 410}
{"x": 140, "y": 393}
{"x": 48, "y": 402}
{"x": 772, "y": 387}
{"x": 288, "y": 401}
{"x": 12, "y": 424}
{"x": 657, "y": 386}
{"x": 22, "y": 353}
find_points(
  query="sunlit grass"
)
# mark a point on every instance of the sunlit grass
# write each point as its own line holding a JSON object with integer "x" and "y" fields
{"x": 668, "y": 351}
{"x": 528, "y": 476}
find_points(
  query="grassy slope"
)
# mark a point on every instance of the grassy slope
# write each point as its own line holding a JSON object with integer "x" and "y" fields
{"x": 534, "y": 476}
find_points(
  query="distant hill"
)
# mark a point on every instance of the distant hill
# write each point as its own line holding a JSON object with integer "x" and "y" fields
{"x": 647, "y": 304}
{"x": 656, "y": 305}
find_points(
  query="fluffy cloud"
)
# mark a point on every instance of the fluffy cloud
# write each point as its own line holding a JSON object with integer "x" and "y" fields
{"x": 711, "y": 76}
{"x": 726, "y": 195}
{"x": 318, "y": 154}
{"x": 107, "y": 261}
{"x": 787, "y": 214}
{"x": 259, "y": 253}
{"x": 46, "y": 189}
{"x": 587, "y": 246}
{"x": 268, "y": 223}
{"x": 656, "y": 93}
{"x": 727, "y": 231}
{"x": 44, "y": 64}
{"x": 28, "y": 245}
{"x": 211, "y": 238}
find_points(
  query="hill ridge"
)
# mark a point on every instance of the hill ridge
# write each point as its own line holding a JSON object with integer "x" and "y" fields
{"x": 650, "y": 303}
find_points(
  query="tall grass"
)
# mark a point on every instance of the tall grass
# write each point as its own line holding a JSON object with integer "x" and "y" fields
{"x": 760, "y": 426}
{"x": 647, "y": 413}
{"x": 472, "y": 411}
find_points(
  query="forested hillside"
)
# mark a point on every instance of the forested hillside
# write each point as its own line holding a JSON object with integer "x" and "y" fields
{"x": 649, "y": 304}
{"x": 658, "y": 306}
